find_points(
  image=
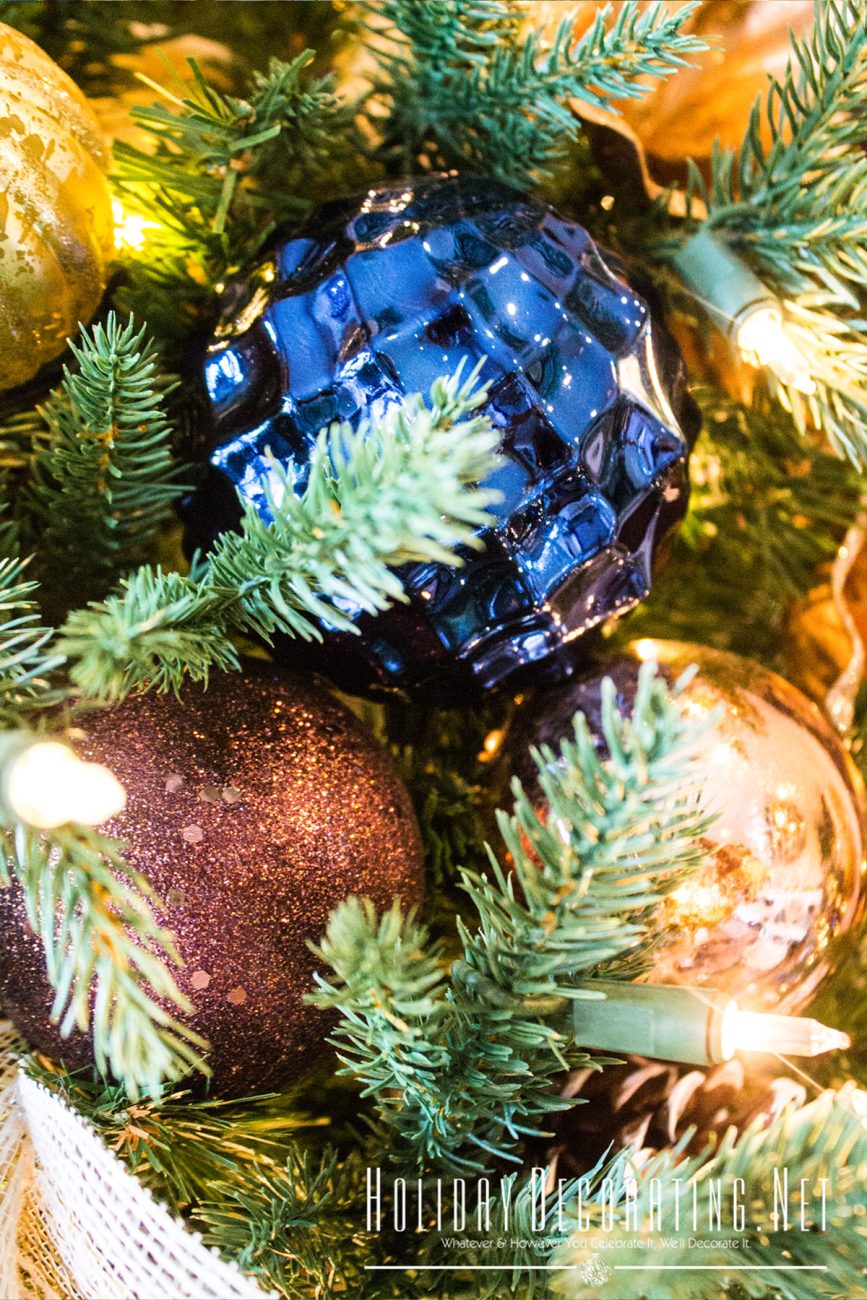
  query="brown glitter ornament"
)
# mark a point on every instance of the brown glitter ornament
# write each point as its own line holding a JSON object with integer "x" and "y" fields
{"x": 785, "y": 865}
{"x": 56, "y": 229}
{"x": 253, "y": 807}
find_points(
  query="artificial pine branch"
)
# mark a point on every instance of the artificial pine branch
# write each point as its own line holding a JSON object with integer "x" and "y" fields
{"x": 461, "y": 1069}
{"x": 178, "y": 1145}
{"x": 102, "y": 480}
{"x": 465, "y": 83}
{"x": 220, "y": 170}
{"x": 826, "y": 1139}
{"x": 296, "y": 1228}
{"x": 90, "y": 908}
{"x": 159, "y": 630}
{"x": 768, "y": 507}
{"x": 27, "y": 659}
{"x": 794, "y": 209}
{"x": 404, "y": 486}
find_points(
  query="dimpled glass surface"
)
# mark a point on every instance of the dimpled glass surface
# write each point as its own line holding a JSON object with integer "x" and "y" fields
{"x": 379, "y": 296}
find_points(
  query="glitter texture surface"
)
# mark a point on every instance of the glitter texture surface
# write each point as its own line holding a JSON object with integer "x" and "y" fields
{"x": 783, "y": 874}
{"x": 254, "y": 808}
{"x": 382, "y": 294}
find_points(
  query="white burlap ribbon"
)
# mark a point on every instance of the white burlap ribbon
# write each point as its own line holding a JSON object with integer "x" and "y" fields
{"x": 75, "y": 1224}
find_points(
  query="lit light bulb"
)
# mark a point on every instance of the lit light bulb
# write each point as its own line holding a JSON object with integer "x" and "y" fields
{"x": 763, "y": 340}
{"x": 693, "y": 1025}
{"x": 48, "y": 785}
{"x": 755, "y": 1031}
{"x": 130, "y": 229}
{"x": 741, "y": 306}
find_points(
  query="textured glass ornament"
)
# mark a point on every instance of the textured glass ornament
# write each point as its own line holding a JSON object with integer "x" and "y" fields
{"x": 379, "y": 296}
{"x": 253, "y": 808}
{"x": 56, "y": 231}
{"x": 785, "y": 868}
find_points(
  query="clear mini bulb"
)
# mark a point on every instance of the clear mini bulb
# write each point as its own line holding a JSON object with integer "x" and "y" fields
{"x": 763, "y": 340}
{"x": 130, "y": 229}
{"x": 49, "y": 785}
{"x": 694, "y": 1025}
{"x": 756, "y": 1031}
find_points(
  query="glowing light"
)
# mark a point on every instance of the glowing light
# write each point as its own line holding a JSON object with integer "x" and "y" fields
{"x": 130, "y": 229}
{"x": 754, "y": 1031}
{"x": 646, "y": 649}
{"x": 492, "y": 745}
{"x": 763, "y": 340}
{"x": 49, "y": 785}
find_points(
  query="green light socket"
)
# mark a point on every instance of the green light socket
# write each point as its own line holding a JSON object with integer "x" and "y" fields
{"x": 658, "y": 1020}
{"x": 724, "y": 284}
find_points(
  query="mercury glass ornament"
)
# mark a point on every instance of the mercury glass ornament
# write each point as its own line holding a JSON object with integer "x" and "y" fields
{"x": 784, "y": 873}
{"x": 378, "y": 296}
{"x": 253, "y": 808}
{"x": 56, "y": 229}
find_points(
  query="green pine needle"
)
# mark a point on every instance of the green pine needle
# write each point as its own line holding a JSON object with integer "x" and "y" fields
{"x": 103, "y": 479}
{"x": 90, "y": 908}
{"x": 160, "y": 630}
{"x": 465, "y": 83}
{"x": 826, "y": 1139}
{"x": 179, "y": 1145}
{"x": 794, "y": 209}
{"x": 461, "y": 1069}
{"x": 27, "y": 659}
{"x": 220, "y": 170}
{"x": 407, "y": 486}
{"x": 297, "y": 1228}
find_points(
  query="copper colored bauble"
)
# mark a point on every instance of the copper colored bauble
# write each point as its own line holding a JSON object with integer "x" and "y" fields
{"x": 56, "y": 232}
{"x": 710, "y": 100}
{"x": 254, "y": 808}
{"x": 784, "y": 870}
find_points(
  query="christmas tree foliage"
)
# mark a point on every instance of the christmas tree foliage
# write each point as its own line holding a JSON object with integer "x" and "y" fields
{"x": 455, "y": 1027}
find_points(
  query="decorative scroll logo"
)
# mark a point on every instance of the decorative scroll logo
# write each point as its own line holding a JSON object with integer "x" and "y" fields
{"x": 595, "y": 1272}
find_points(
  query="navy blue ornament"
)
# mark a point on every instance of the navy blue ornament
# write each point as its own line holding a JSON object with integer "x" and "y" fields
{"x": 377, "y": 296}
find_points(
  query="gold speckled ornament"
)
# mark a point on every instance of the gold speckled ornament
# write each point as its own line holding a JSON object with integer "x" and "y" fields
{"x": 254, "y": 808}
{"x": 56, "y": 232}
{"x": 785, "y": 866}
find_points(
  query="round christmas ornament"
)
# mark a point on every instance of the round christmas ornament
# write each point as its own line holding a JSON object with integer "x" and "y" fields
{"x": 785, "y": 865}
{"x": 56, "y": 232}
{"x": 379, "y": 296}
{"x": 253, "y": 808}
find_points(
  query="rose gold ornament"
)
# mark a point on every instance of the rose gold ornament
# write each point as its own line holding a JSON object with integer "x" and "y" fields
{"x": 785, "y": 865}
